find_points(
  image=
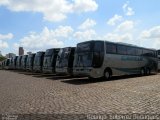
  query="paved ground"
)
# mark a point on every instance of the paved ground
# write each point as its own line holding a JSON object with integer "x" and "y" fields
{"x": 25, "y": 93}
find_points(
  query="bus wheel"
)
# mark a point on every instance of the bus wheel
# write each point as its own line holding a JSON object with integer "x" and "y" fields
{"x": 148, "y": 72}
{"x": 107, "y": 74}
{"x": 142, "y": 71}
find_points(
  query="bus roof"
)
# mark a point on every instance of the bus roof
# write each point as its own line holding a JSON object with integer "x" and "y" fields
{"x": 30, "y": 55}
{"x": 120, "y": 43}
{"x": 40, "y": 53}
{"x": 24, "y": 56}
{"x": 68, "y": 47}
{"x": 53, "y": 49}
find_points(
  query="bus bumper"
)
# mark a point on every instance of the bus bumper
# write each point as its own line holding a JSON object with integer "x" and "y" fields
{"x": 29, "y": 68}
{"x": 48, "y": 70}
{"x": 37, "y": 69}
{"x": 64, "y": 70}
{"x": 86, "y": 72}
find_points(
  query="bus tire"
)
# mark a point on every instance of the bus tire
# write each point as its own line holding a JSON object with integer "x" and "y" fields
{"x": 107, "y": 74}
{"x": 142, "y": 72}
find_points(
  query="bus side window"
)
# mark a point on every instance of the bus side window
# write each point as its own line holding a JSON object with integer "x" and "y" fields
{"x": 111, "y": 48}
{"x": 99, "y": 47}
{"x": 148, "y": 53}
{"x": 98, "y": 55}
{"x": 139, "y": 51}
{"x": 131, "y": 51}
{"x": 151, "y": 53}
{"x": 121, "y": 49}
{"x": 156, "y": 54}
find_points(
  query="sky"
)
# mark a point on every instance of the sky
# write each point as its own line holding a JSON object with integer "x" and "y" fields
{"x": 39, "y": 25}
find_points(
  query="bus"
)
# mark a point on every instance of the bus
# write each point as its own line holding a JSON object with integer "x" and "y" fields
{"x": 38, "y": 61}
{"x": 50, "y": 60}
{"x": 10, "y": 63}
{"x": 18, "y": 62}
{"x": 23, "y": 62}
{"x": 7, "y": 63}
{"x": 3, "y": 64}
{"x": 158, "y": 60}
{"x": 0, "y": 65}
{"x": 64, "y": 63}
{"x": 13, "y": 63}
{"x": 97, "y": 59}
{"x": 30, "y": 61}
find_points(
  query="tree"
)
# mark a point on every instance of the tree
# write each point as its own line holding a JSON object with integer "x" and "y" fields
{"x": 2, "y": 58}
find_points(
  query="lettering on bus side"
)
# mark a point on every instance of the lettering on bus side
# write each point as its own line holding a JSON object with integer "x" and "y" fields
{"x": 131, "y": 58}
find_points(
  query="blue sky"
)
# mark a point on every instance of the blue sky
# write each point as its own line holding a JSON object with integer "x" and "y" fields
{"x": 40, "y": 25}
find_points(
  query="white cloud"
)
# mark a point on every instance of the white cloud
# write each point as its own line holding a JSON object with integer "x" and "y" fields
{"x": 46, "y": 39}
{"x": 152, "y": 36}
{"x": 85, "y": 35}
{"x": 87, "y": 24}
{"x": 127, "y": 37}
{"x": 4, "y": 2}
{"x": 125, "y": 26}
{"x": 127, "y": 9}
{"x": 52, "y": 10}
{"x": 3, "y": 38}
{"x": 114, "y": 19}
{"x": 3, "y": 45}
{"x": 156, "y": 44}
{"x": 85, "y": 5}
{"x": 6, "y": 36}
{"x": 63, "y": 31}
{"x": 153, "y": 33}
{"x": 15, "y": 47}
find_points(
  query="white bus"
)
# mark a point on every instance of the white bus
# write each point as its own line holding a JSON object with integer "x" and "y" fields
{"x": 64, "y": 62}
{"x": 7, "y": 63}
{"x": 13, "y": 63}
{"x": 97, "y": 59}
{"x": 49, "y": 61}
{"x": 159, "y": 60}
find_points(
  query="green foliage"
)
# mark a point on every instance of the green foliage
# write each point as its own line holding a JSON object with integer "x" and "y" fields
{"x": 2, "y": 58}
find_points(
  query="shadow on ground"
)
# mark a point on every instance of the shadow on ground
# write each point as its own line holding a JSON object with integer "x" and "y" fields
{"x": 25, "y": 72}
{"x": 81, "y": 81}
{"x": 75, "y": 80}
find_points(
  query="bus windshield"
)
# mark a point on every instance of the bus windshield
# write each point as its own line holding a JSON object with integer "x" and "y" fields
{"x": 84, "y": 47}
{"x": 19, "y": 60}
{"x": 30, "y": 60}
{"x": 39, "y": 58}
{"x": 50, "y": 57}
{"x": 63, "y": 57}
{"x": 89, "y": 54}
{"x": 49, "y": 52}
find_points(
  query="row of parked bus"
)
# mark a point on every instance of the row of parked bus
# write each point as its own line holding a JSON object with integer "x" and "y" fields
{"x": 53, "y": 60}
{"x": 95, "y": 59}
